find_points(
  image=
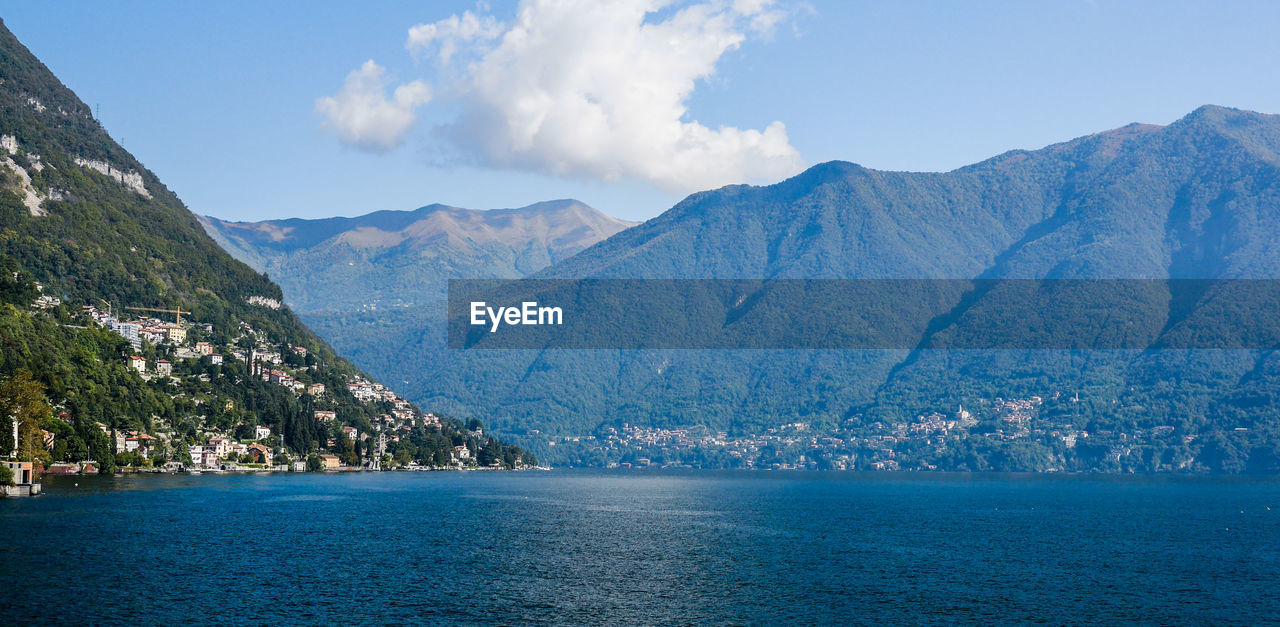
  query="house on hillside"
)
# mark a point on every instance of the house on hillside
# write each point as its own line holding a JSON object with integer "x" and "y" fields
{"x": 138, "y": 363}
{"x": 175, "y": 333}
{"x": 270, "y": 357}
{"x": 127, "y": 330}
{"x": 154, "y": 335}
{"x": 204, "y": 456}
{"x": 260, "y": 453}
{"x": 140, "y": 442}
{"x": 221, "y": 446}
{"x": 208, "y": 459}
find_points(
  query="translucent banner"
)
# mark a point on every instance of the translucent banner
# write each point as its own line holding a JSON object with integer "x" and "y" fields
{"x": 864, "y": 314}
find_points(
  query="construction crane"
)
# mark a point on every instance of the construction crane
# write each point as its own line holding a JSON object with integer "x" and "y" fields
{"x": 177, "y": 312}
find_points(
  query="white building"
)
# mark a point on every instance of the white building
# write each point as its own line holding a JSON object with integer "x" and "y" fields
{"x": 221, "y": 446}
{"x": 266, "y": 356}
{"x": 126, "y": 330}
{"x": 139, "y": 442}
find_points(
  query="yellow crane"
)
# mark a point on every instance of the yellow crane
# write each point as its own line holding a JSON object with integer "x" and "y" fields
{"x": 177, "y": 312}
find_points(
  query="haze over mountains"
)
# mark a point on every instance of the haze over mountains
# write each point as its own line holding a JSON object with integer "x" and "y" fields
{"x": 1199, "y": 198}
{"x": 400, "y": 258}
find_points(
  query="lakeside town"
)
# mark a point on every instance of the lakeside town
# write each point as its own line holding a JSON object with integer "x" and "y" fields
{"x": 192, "y": 362}
{"x": 925, "y": 443}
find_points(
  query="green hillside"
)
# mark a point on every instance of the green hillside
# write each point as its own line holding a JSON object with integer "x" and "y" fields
{"x": 86, "y": 229}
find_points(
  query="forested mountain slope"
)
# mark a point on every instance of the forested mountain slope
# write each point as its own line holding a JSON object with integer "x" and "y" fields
{"x": 88, "y": 236}
{"x": 1199, "y": 198}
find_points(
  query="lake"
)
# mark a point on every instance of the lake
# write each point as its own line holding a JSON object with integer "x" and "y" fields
{"x": 642, "y": 547}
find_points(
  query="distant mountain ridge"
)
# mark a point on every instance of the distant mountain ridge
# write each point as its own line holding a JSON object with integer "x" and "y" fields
{"x": 1198, "y": 198}
{"x": 393, "y": 258}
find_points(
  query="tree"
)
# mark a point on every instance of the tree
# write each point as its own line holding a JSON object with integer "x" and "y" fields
{"x": 347, "y": 451}
{"x": 99, "y": 446}
{"x": 489, "y": 454}
{"x": 403, "y": 456}
{"x": 22, "y": 399}
{"x": 314, "y": 463}
{"x": 6, "y": 475}
{"x": 441, "y": 458}
{"x": 182, "y": 453}
{"x": 15, "y": 286}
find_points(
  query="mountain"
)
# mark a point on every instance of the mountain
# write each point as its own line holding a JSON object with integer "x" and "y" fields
{"x": 401, "y": 258}
{"x": 1194, "y": 199}
{"x": 121, "y": 315}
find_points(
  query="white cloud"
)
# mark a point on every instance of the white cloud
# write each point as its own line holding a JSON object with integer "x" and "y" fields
{"x": 362, "y": 115}
{"x": 589, "y": 89}
{"x": 578, "y": 88}
{"x": 451, "y": 32}
{"x": 762, "y": 14}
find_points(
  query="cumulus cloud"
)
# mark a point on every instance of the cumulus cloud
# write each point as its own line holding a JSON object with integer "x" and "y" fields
{"x": 362, "y": 115}
{"x": 451, "y": 32}
{"x": 586, "y": 89}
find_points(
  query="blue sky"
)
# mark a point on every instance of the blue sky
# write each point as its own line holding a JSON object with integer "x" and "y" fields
{"x": 225, "y": 101}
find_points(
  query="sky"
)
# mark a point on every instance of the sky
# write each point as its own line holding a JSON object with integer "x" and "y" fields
{"x": 263, "y": 110}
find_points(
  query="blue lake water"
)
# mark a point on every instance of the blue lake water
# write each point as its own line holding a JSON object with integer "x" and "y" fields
{"x": 599, "y": 547}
